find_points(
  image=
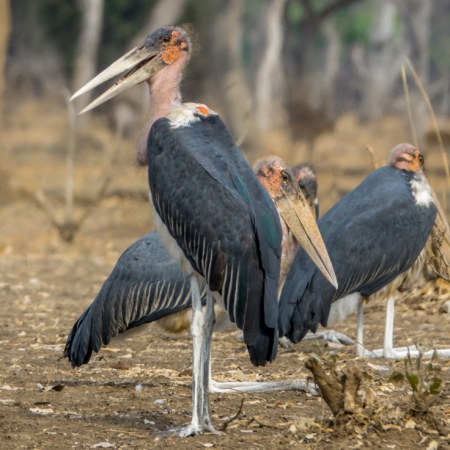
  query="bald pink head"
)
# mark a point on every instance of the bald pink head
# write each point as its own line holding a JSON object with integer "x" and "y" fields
{"x": 274, "y": 174}
{"x": 406, "y": 157}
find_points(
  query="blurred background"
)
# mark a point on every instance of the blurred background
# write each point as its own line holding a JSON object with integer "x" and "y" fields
{"x": 310, "y": 80}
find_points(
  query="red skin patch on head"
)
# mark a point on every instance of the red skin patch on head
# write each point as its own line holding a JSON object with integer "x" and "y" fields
{"x": 172, "y": 49}
{"x": 170, "y": 54}
{"x": 406, "y": 157}
{"x": 270, "y": 178}
{"x": 203, "y": 109}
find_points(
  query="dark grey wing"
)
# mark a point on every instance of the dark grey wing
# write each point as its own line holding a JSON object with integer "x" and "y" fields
{"x": 207, "y": 195}
{"x": 372, "y": 235}
{"x": 145, "y": 285}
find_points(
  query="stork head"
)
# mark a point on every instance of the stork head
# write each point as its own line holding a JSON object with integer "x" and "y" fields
{"x": 406, "y": 157}
{"x": 281, "y": 184}
{"x": 165, "y": 47}
{"x": 307, "y": 182}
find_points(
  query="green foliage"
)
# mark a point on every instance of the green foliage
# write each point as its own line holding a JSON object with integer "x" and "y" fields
{"x": 396, "y": 377}
{"x": 316, "y": 356}
{"x": 435, "y": 386}
{"x": 353, "y": 24}
{"x": 419, "y": 377}
{"x": 122, "y": 21}
{"x": 62, "y": 23}
{"x": 413, "y": 381}
{"x": 295, "y": 12}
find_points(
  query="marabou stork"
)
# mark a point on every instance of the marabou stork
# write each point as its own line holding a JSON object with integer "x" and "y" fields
{"x": 210, "y": 211}
{"x": 147, "y": 285}
{"x": 375, "y": 237}
{"x": 307, "y": 181}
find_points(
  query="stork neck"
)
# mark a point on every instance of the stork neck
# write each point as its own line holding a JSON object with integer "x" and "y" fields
{"x": 165, "y": 96}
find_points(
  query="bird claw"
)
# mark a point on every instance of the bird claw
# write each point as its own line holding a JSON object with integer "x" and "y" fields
{"x": 330, "y": 336}
{"x": 240, "y": 336}
{"x": 184, "y": 432}
{"x": 284, "y": 342}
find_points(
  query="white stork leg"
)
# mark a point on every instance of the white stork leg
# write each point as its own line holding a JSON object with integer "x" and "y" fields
{"x": 359, "y": 330}
{"x": 206, "y": 361}
{"x": 388, "y": 349}
{"x": 401, "y": 352}
{"x": 197, "y": 330}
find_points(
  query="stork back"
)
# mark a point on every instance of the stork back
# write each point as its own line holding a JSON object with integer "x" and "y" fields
{"x": 207, "y": 195}
{"x": 372, "y": 235}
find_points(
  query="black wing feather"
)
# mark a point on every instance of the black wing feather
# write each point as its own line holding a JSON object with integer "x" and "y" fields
{"x": 223, "y": 219}
{"x": 145, "y": 285}
{"x": 372, "y": 235}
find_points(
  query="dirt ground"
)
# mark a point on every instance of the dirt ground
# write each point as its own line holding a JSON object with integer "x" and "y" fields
{"x": 135, "y": 388}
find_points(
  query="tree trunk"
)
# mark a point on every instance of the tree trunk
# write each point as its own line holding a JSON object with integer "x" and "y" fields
{"x": 269, "y": 93}
{"x": 332, "y": 57}
{"x": 416, "y": 16}
{"x": 5, "y": 27}
{"x": 379, "y": 59}
{"x": 86, "y": 62}
{"x": 230, "y": 78}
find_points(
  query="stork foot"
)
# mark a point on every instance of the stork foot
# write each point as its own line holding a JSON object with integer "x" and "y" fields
{"x": 268, "y": 386}
{"x": 404, "y": 352}
{"x": 284, "y": 342}
{"x": 209, "y": 426}
{"x": 330, "y": 336}
{"x": 190, "y": 430}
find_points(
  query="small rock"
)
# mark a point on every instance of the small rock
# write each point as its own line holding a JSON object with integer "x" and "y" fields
{"x": 444, "y": 308}
{"x": 103, "y": 445}
{"x": 159, "y": 401}
{"x": 293, "y": 429}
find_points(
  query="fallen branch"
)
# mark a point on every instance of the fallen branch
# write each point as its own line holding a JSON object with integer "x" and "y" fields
{"x": 338, "y": 390}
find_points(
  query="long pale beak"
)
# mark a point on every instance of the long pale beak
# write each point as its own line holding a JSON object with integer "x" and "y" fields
{"x": 141, "y": 63}
{"x": 297, "y": 214}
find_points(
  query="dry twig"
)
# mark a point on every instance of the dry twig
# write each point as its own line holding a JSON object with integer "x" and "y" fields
{"x": 375, "y": 163}
{"x": 233, "y": 418}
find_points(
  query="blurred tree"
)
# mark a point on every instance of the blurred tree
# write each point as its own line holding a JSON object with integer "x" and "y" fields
{"x": 5, "y": 27}
{"x": 312, "y": 15}
{"x": 270, "y": 109}
{"x": 383, "y": 61}
{"x": 416, "y": 15}
{"x": 86, "y": 61}
{"x": 228, "y": 67}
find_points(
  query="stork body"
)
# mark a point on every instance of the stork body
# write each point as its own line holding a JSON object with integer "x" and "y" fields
{"x": 210, "y": 211}
{"x": 375, "y": 237}
{"x": 148, "y": 285}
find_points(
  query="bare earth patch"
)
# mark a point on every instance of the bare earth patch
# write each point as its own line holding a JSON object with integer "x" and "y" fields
{"x": 135, "y": 388}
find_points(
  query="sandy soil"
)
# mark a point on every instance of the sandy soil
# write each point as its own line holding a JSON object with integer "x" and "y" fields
{"x": 41, "y": 297}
